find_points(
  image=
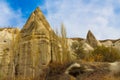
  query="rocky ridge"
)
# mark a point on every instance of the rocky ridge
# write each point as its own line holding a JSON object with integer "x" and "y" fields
{"x": 91, "y": 42}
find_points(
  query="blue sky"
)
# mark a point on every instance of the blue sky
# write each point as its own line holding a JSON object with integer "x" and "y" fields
{"x": 26, "y": 6}
{"x": 102, "y": 17}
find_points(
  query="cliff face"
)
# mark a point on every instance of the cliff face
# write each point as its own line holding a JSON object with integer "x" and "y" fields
{"x": 7, "y": 36}
{"x": 28, "y": 52}
{"x": 36, "y": 35}
{"x": 38, "y": 46}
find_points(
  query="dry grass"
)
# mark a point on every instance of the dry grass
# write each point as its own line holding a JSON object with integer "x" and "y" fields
{"x": 105, "y": 54}
{"x": 109, "y": 77}
{"x": 100, "y": 54}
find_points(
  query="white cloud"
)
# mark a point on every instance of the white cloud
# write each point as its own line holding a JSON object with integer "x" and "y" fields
{"x": 80, "y": 15}
{"x": 10, "y": 17}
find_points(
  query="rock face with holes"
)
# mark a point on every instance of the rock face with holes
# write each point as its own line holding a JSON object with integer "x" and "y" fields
{"x": 7, "y": 36}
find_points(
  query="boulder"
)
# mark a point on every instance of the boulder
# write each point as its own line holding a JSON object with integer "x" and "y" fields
{"x": 107, "y": 43}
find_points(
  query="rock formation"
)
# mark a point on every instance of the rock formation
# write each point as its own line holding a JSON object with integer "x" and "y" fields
{"x": 107, "y": 43}
{"x": 38, "y": 46}
{"x": 92, "y": 40}
{"x": 7, "y": 36}
{"x": 34, "y": 47}
{"x": 111, "y": 43}
{"x": 116, "y": 45}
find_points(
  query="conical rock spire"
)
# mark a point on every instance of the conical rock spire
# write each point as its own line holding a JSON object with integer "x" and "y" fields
{"x": 36, "y": 21}
{"x": 92, "y": 40}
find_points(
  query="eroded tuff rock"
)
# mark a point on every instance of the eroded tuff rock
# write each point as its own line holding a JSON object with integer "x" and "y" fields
{"x": 38, "y": 46}
{"x": 7, "y": 36}
{"x": 107, "y": 43}
{"x": 117, "y": 45}
{"x": 92, "y": 40}
{"x": 111, "y": 43}
{"x": 35, "y": 47}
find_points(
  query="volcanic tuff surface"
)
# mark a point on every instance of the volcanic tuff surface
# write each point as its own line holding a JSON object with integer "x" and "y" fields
{"x": 7, "y": 36}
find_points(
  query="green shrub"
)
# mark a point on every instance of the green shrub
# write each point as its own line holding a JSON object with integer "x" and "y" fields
{"x": 78, "y": 50}
{"x": 105, "y": 54}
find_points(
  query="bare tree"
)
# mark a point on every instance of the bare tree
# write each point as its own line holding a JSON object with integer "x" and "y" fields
{"x": 66, "y": 54}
